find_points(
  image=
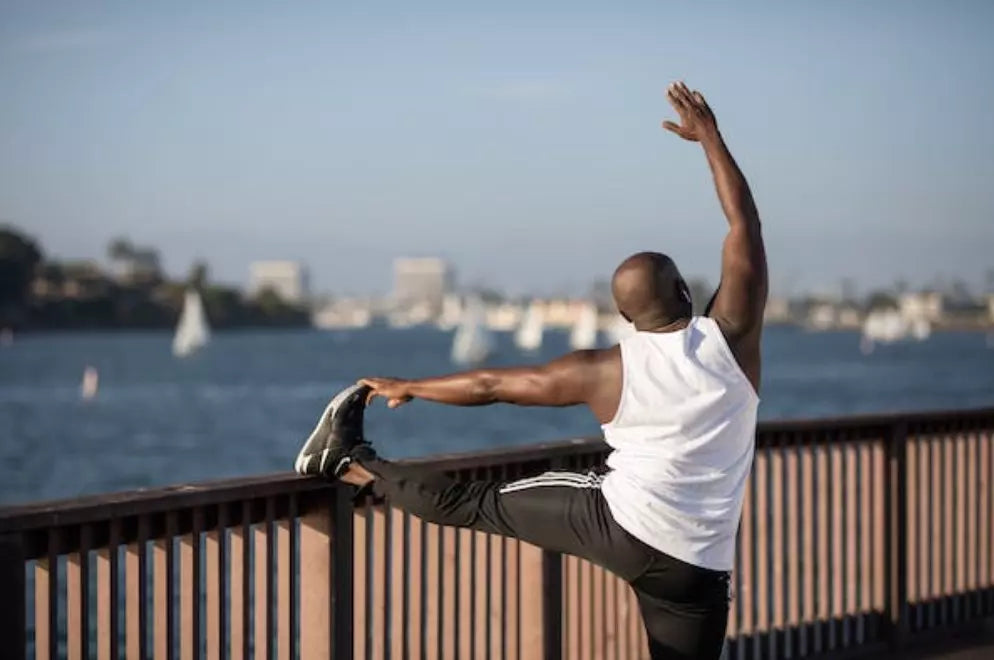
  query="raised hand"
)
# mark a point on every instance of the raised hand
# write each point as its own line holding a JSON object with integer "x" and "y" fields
{"x": 697, "y": 122}
{"x": 395, "y": 390}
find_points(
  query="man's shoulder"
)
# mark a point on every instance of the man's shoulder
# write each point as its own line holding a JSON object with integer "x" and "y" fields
{"x": 593, "y": 365}
{"x": 745, "y": 347}
{"x": 598, "y": 356}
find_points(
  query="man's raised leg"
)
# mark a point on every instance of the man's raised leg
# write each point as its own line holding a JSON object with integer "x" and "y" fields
{"x": 559, "y": 511}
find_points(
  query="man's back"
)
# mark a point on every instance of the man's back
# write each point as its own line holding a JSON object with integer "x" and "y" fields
{"x": 683, "y": 437}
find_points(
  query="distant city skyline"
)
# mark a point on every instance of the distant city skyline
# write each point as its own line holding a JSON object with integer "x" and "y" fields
{"x": 521, "y": 145}
{"x": 844, "y": 287}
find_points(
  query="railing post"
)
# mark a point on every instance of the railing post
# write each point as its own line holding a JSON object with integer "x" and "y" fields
{"x": 552, "y": 605}
{"x": 533, "y": 631}
{"x": 325, "y": 547}
{"x": 342, "y": 573}
{"x": 12, "y": 604}
{"x": 896, "y": 536}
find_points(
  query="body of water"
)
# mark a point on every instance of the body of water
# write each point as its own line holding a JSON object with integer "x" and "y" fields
{"x": 244, "y": 404}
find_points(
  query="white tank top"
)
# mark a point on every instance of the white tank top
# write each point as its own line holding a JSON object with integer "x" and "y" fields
{"x": 683, "y": 441}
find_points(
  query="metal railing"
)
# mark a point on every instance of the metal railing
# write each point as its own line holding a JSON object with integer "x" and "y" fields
{"x": 857, "y": 535}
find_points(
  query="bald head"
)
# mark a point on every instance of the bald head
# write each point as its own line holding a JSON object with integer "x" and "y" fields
{"x": 649, "y": 290}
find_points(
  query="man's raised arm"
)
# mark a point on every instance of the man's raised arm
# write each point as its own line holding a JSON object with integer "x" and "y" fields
{"x": 741, "y": 298}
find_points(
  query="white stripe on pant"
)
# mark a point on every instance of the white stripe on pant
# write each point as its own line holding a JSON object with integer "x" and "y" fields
{"x": 553, "y": 478}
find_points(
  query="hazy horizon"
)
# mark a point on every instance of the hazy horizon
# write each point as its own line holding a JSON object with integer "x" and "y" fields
{"x": 522, "y": 144}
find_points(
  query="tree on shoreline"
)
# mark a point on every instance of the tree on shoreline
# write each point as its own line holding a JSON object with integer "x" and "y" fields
{"x": 119, "y": 248}
{"x": 19, "y": 257}
{"x": 198, "y": 275}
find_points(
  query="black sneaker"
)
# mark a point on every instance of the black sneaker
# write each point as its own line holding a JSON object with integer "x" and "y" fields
{"x": 339, "y": 430}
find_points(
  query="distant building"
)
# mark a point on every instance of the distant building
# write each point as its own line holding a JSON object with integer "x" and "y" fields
{"x": 927, "y": 305}
{"x": 421, "y": 283}
{"x": 288, "y": 279}
{"x": 504, "y": 316}
{"x": 76, "y": 280}
{"x": 849, "y": 317}
{"x": 343, "y": 313}
{"x": 822, "y": 316}
{"x": 777, "y": 311}
{"x": 561, "y": 312}
{"x": 133, "y": 265}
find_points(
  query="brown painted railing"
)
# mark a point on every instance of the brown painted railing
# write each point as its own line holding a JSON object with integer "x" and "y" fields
{"x": 858, "y": 534}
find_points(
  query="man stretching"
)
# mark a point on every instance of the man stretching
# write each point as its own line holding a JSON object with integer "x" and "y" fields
{"x": 677, "y": 402}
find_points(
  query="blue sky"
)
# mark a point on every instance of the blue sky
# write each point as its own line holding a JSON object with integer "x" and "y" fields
{"x": 522, "y": 143}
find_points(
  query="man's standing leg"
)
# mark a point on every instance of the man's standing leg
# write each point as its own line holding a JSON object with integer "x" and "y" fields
{"x": 685, "y": 609}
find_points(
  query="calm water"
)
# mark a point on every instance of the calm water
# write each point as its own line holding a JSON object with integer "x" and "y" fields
{"x": 244, "y": 405}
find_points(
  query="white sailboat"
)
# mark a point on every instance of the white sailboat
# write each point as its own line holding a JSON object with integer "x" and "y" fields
{"x": 584, "y": 334}
{"x": 921, "y": 329}
{"x": 890, "y": 326}
{"x": 451, "y": 313}
{"x": 885, "y": 326}
{"x": 192, "y": 331}
{"x": 529, "y": 334}
{"x": 473, "y": 342}
{"x": 91, "y": 382}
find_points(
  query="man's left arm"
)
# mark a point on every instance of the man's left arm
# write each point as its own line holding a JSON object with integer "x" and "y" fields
{"x": 566, "y": 381}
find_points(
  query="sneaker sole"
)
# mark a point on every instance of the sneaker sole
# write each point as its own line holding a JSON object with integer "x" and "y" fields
{"x": 315, "y": 447}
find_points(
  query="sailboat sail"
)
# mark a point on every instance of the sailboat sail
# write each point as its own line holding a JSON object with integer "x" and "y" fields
{"x": 192, "y": 331}
{"x": 529, "y": 334}
{"x": 921, "y": 329}
{"x": 885, "y": 326}
{"x": 473, "y": 342}
{"x": 584, "y": 333}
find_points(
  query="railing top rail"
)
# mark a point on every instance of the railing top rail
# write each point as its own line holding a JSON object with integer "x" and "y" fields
{"x": 876, "y": 420}
{"x": 93, "y": 508}
{"x": 148, "y": 501}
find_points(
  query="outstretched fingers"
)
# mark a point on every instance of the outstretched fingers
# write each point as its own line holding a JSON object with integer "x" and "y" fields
{"x": 391, "y": 389}
{"x": 676, "y": 99}
{"x": 692, "y": 100}
{"x": 703, "y": 106}
{"x": 696, "y": 118}
{"x": 682, "y": 95}
{"x": 372, "y": 384}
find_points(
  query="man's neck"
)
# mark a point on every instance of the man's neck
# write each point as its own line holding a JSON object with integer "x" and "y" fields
{"x": 665, "y": 326}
